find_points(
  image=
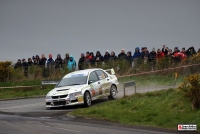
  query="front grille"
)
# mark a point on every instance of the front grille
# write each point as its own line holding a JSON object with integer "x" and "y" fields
{"x": 74, "y": 101}
{"x": 61, "y": 96}
{"x": 48, "y": 103}
{"x": 59, "y": 103}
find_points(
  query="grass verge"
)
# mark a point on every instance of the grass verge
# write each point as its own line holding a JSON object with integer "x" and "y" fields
{"x": 162, "y": 109}
{"x": 24, "y": 92}
{"x": 20, "y": 83}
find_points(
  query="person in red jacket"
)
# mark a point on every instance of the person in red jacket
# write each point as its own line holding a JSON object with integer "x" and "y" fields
{"x": 159, "y": 55}
{"x": 179, "y": 57}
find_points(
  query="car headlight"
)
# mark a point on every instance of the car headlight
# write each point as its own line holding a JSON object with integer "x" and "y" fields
{"x": 48, "y": 97}
{"x": 73, "y": 95}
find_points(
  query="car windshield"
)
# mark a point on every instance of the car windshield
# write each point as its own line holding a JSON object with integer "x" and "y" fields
{"x": 70, "y": 81}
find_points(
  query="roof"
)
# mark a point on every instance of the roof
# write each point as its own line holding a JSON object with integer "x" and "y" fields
{"x": 81, "y": 72}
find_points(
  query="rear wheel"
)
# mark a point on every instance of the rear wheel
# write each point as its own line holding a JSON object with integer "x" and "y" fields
{"x": 113, "y": 93}
{"x": 87, "y": 99}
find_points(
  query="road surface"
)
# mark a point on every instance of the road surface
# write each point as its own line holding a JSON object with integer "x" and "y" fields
{"x": 30, "y": 116}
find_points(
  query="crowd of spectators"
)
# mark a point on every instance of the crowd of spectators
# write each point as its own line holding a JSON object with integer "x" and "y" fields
{"x": 143, "y": 54}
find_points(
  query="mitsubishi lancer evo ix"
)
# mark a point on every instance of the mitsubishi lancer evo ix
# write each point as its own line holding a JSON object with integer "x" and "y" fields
{"x": 82, "y": 87}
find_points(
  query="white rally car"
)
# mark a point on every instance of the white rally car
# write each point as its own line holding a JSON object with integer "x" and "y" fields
{"x": 82, "y": 87}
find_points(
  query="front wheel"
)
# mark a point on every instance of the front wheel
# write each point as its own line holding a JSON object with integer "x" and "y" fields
{"x": 87, "y": 99}
{"x": 113, "y": 93}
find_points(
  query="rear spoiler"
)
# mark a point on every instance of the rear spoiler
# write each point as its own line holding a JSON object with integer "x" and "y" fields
{"x": 110, "y": 71}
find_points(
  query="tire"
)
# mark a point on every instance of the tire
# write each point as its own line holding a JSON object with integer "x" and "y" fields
{"x": 87, "y": 99}
{"x": 113, "y": 93}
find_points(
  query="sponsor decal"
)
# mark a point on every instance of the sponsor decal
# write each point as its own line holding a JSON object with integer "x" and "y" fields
{"x": 100, "y": 91}
{"x": 106, "y": 91}
{"x": 80, "y": 98}
{"x": 93, "y": 92}
{"x": 106, "y": 85}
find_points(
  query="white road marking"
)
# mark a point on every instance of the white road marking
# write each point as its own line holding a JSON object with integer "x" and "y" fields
{"x": 41, "y": 103}
{"x": 60, "y": 128}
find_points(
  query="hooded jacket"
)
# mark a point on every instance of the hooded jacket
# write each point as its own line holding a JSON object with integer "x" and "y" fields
{"x": 58, "y": 61}
{"x": 81, "y": 63}
{"x": 71, "y": 63}
{"x": 98, "y": 57}
{"x": 137, "y": 54}
{"x": 106, "y": 57}
{"x": 113, "y": 57}
{"x": 129, "y": 58}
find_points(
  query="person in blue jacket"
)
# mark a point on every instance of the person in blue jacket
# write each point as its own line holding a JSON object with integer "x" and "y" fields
{"x": 71, "y": 63}
{"x": 137, "y": 53}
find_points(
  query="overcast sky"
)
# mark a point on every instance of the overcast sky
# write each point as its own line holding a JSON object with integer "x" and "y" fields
{"x": 30, "y": 27}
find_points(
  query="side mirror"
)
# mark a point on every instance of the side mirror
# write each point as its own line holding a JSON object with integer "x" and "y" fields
{"x": 90, "y": 81}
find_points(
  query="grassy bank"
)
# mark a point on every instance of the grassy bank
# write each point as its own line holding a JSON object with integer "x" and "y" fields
{"x": 163, "y": 109}
{"x": 154, "y": 79}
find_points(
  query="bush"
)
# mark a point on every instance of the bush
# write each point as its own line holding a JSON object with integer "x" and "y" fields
{"x": 191, "y": 89}
{"x": 5, "y": 70}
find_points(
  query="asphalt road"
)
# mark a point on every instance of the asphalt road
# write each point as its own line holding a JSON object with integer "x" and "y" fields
{"x": 10, "y": 124}
{"x": 30, "y": 116}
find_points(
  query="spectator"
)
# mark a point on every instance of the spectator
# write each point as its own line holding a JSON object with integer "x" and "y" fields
{"x": 43, "y": 61}
{"x": 159, "y": 55}
{"x": 88, "y": 58}
{"x": 183, "y": 51}
{"x": 122, "y": 55}
{"x": 152, "y": 55}
{"x": 190, "y": 52}
{"x": 66, "y": 59}
{"x": 129, "y": 58}
{"x": 175, "y": 56}
{"x": 145, "y": 54}
{"x": 106, "y": 56}
{"x": 50, "y": 63}
{"x": 112, "y": 56}
{"x": 30, "y": 63}
{"x": 34, "y": 61}
{"x": 176, "y": 50}
{"x": 137, "y": 53}
{"x": 37, "y": 59}
{"x": 25, "y": 67}
{"x": 81, "y": 62}
{"x": 18, "y": 64}
{"x": 98, "y": 57}
{"x": 58, "y": 62}
{"x": 170, "y": 53}
{"x": 179, "y": 56}
{"x": 71, "y": 63}
{"x": 92, "y": 60}
{"x": 165, "y": 50}
{"x": 152, "y": 59}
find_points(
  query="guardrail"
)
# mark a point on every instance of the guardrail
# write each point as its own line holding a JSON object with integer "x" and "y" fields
{"x": 49, "y": 82}
{"x": 129, "y": 84}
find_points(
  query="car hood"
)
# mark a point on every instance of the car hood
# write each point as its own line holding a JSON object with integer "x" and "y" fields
{"x": 66, "y": 90}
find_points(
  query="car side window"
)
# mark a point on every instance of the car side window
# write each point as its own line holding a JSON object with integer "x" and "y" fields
{"x": 101, "y": 74}
{"x": 93, "y": 77}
